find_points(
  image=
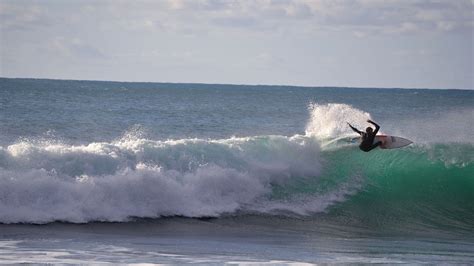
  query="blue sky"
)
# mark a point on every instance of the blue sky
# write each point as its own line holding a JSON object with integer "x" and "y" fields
{"x": 359, "y": 43}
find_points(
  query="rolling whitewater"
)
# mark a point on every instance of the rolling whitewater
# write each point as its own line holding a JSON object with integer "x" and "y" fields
{"x": 177, "y": 173}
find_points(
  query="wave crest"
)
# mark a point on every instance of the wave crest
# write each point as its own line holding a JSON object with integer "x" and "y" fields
{"x": 43, "y": 182}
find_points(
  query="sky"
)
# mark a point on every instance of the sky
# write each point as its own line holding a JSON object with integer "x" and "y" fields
{"x": 349, "y": 43}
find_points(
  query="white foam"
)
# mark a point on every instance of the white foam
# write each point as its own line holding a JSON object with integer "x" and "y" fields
{"x": 312, "y": 203}
{"x": 41, "y": 182}
{"x": 330, "y": 120}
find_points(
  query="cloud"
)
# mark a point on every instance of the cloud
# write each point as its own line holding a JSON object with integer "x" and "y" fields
{"x": 265, "y": 60}
{"x": 362, "y": 16}
{"x": 14, "y": 16}
{"x": 238, "y": 22}
{"x": 365, "y": 17}
{"x": 394, "y": 17}
{"x": 75, "y": 48}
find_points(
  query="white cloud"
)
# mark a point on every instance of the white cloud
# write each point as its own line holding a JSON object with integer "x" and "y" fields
{"x": 378, "y": 16}
{"x": 362, "y": 16}
{"x": 75, "y": 48}
{"x": 22, "y": 17}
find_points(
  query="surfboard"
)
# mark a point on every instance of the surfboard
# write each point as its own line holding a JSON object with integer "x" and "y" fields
{"x": 392, "y": 142}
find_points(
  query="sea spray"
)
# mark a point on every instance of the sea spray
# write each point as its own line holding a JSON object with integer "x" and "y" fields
{"x": 330, "y": 120}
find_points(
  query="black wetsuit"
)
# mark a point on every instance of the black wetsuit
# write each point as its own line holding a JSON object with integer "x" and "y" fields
{"x": 367, "y": 143}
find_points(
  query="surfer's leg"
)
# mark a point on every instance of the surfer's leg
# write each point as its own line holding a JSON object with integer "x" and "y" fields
{"x": 375, "y": 145}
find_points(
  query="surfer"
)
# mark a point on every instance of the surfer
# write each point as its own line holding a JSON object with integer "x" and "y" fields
{"x": 368, "y": 137}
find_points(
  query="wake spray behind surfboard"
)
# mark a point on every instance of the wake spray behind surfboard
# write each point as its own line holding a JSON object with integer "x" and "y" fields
{"x": 330, "y": 120}
{"x": 328, "y": 123}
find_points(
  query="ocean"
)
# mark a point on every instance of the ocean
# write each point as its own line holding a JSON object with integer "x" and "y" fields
{"x": 121, "y": 172}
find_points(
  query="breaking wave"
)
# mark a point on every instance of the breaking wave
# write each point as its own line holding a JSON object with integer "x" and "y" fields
{"x": 47, "y": 180}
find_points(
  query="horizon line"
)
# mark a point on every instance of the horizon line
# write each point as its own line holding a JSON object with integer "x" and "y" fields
{"x": 242, "y": 84}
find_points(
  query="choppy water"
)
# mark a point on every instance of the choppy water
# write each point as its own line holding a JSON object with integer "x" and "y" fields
{"x": 258, "y": 161}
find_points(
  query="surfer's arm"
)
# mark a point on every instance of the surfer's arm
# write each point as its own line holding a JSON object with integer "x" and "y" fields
{"x": 377, "y": 127}
{"x": 355, "y": 129}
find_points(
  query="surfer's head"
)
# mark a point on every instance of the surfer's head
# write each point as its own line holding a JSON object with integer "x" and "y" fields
{"x": 369, "y": 130}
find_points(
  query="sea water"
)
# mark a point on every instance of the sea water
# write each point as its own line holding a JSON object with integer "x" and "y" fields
{"x": 94, "y": 172}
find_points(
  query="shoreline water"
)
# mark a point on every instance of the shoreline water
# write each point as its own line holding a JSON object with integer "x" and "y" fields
{"x": 223, "y": 240}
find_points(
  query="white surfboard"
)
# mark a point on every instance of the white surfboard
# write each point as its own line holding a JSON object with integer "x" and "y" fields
{"x": 392, "y": 142}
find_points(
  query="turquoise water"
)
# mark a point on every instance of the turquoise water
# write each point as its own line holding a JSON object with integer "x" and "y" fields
{"x": 223, "y": 164}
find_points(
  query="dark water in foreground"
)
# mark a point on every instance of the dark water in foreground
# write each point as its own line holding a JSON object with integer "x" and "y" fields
{"x": 225, "y": 240}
